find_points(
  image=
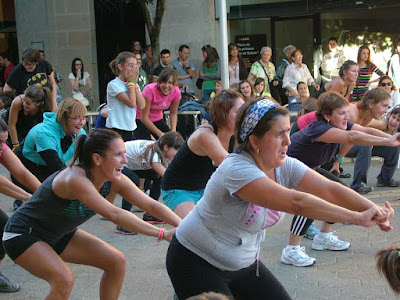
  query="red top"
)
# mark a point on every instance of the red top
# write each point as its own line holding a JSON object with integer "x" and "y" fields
{"x": 7, "y": 71}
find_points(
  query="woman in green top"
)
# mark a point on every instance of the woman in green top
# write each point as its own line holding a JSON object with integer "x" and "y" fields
{"x": 210, "y": 71}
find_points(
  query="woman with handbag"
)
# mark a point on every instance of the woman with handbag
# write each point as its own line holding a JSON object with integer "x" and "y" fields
{"x": 266, "y": 70}
{"x": 210, "y": 71}
{"x": 81, "y": 82}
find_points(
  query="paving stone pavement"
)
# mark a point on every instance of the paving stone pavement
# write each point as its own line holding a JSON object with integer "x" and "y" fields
{"x": 349, "y": 274}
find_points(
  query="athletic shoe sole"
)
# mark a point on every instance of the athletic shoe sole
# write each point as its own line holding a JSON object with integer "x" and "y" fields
{"x": 297, "y": 264}
{"x": 322, "y": 248}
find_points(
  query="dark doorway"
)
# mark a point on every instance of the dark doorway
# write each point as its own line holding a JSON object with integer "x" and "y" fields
{"x": 117, "y": 24}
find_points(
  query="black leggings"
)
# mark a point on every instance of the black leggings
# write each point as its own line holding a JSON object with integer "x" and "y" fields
{"x": 155, "y": 188}
{"x": 301, "y": 224}
{"x": 3, "y": 221}
{"x": 191, "y": 275}
{"x": 143, "y": 133}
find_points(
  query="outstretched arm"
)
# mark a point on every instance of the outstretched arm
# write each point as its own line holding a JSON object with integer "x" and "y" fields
{"x": 11, "y": 190}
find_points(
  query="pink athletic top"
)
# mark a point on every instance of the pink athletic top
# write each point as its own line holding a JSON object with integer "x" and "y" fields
{"x": 3, "y": 150}
{"x": 159, "y": 101}
{"x": 306, "y": 119}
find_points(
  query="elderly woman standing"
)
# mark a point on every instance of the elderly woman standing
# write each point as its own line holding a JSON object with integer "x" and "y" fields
{"x": 296, "y": 72}
{"x": 263, "y": 69}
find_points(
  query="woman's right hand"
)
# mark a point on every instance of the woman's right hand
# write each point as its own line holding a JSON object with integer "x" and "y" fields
{"x": 292, "y": 92}
{"x": 133, "y": 74}
{"x": 78, "y": 74}
{"x": 168, "y": 234}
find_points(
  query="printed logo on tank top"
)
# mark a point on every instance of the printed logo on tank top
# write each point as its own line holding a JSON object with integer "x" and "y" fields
{"x": 76, "y": 208}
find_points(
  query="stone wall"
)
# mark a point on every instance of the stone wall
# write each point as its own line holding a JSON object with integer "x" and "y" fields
{"x": 66, "y": 29}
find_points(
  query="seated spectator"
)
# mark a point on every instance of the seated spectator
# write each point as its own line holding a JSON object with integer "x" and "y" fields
{"x": 159, "y": 96}
{"x": 149, "y": 160}
{"x": 303, "y": 91}
{"x": 246, "y": 89}
{"x": 32, "y": 71}
{"x": 259, "y": 88}
{"x": 136, "y": 47}
{"x": 186, "y": 177}
{"x": 218, "y": 88}
{"x": 387, "y": 84}
{"x": 147, "y": 62}
{"x": 27, "y": 111}
{"x": 296, "y": 72}
{"x": 142, "y": 80}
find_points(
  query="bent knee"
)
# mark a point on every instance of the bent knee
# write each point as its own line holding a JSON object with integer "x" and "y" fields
{"x": 63, "y": 284}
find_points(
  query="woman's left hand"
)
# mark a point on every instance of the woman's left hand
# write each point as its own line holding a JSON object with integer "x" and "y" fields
{"x": 202, "y": 74}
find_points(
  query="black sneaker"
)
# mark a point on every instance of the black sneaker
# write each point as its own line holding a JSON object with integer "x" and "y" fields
{"x": 391, "y": 183}
{"x": 364, "y": 189}
{"x": 152, "y": 220}
{"x": 17, "y": 204}
{"x": 124, "y": 231}
{"x": 6, "y": 286}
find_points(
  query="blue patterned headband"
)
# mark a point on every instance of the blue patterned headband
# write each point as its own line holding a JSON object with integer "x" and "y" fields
{"x": 259, "y": 109}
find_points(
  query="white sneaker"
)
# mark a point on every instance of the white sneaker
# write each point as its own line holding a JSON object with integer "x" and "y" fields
{"x": 329, "y": 242}
{"x": 297, "y": 257}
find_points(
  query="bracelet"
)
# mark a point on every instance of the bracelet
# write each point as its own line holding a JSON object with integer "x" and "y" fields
{"x": 130, "y": 86}
{"x": 340, "y": 159}
{"x": 130, "y": 83}
{"x": 161, "y": 234}
{"x": 187, "y": 68}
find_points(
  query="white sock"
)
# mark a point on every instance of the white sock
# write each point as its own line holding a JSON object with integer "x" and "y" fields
{"x": 292, "y": 247}
{"x": 323, "y": 234}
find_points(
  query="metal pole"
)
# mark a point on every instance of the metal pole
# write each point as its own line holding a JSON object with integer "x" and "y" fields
{"x": 224, "y": 44}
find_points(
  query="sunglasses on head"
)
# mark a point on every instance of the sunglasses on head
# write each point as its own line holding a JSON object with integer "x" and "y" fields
{"x": 386, "y": 84}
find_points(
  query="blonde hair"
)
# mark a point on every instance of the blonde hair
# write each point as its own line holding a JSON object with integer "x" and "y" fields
{"x": 120, "y": 59}
{"x": 68, "y": 107}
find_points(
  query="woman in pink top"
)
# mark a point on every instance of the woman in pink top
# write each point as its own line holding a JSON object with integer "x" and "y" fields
{"x": 159, "y": 96}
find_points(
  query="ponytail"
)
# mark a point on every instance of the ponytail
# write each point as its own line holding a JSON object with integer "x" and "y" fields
{"x": 48, "y": 103}
{"x": 388, "y": 264}
{"x": 98, "y": 141}
{"x": 170, "y": 139}
{"x": 120, "y": 59}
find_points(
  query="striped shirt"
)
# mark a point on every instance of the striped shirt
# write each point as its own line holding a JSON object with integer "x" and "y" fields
{"x": 364, "y": 76}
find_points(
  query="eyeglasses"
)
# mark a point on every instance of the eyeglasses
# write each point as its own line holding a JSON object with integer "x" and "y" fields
{"x": 76, "y": 119}
{"x": 386, "y": 84}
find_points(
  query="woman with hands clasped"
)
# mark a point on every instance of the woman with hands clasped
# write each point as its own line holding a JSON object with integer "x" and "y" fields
{"x": 42, "y": 234}
{"x": 247, "y": 194}
{"x": 124, "y": 96}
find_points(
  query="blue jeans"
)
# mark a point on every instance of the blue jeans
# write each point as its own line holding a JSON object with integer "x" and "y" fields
{"x": 205, "y": 95}
{"x": 363, "y": 156}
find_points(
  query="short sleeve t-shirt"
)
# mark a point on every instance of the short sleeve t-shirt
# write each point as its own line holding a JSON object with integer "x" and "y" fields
{"x": 20, "y": 79}
{"x": 134, "y": 151}
{"x": 120, "y": 116}
{"x": 82, "y": 81}
{"x": 305, "y": 148}
{"x": 159, "y": 101}
{"x": 229, "y": 230}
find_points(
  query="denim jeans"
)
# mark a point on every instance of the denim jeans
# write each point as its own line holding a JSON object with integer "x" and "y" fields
{"x": 363, "y": 156}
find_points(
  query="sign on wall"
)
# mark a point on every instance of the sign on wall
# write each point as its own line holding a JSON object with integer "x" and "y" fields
{"x": 249, "y": 46}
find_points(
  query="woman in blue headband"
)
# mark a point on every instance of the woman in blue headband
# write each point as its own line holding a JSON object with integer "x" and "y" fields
{"x": 222, "y": 235}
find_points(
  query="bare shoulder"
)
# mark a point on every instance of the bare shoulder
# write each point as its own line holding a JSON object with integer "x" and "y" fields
{"x": 70, "y": 182}
{"x": 201, "y": 138}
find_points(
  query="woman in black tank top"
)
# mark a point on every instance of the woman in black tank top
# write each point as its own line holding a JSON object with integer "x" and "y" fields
{"x": 186, "y": 177}
{"x": 42, "y": 234}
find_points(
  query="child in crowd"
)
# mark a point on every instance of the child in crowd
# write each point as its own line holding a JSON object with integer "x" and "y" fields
{"x": 218, "y": 88}
{"x": 259, "y": 87}
{"x": 302, "y": 89}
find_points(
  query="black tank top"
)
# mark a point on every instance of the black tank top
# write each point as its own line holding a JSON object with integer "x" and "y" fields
{"x": 49, "y": 216}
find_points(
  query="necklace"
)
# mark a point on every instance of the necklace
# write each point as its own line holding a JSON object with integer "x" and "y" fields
{"x": 234, "y": 69}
